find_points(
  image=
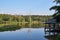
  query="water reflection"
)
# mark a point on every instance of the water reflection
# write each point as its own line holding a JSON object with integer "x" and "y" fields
{"x": 23, "y": 34}
{"x": 52, "y": 35}
{"x": 16, "y": 27}
{"x": 9, "y": 28}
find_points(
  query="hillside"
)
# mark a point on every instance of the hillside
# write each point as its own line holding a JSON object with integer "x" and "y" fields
{"x": 22, "y": 20}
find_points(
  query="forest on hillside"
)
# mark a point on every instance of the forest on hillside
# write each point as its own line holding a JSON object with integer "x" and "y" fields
{"x": 7, "y": 17}
{"x": 23, "y": 19}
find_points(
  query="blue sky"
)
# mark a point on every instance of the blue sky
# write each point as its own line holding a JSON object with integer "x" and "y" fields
{"x": 26, "y": 7}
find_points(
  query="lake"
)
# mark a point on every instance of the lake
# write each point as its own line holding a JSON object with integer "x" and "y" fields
{"x": 24, "y": 34}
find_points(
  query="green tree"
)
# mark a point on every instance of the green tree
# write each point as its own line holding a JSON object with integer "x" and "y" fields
{"x": 5, "y": 19}
{"x": 56, "y": 8}
{"x": 57, "y": 1}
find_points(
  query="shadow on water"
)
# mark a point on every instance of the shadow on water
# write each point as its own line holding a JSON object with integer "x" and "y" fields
{"x": 52, "y": 35}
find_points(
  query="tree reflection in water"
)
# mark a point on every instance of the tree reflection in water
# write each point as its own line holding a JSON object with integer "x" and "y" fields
{"x": 30, "y": 32}
{"x": 16, "y": 27}
{"x": 9, "y": 28}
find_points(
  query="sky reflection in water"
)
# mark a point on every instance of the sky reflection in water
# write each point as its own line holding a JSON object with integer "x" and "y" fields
{"x": 23, "y": 34}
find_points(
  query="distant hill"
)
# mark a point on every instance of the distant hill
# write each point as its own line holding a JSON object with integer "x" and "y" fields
{"x": 41, "y": 18}
{"x": 22, "y": 20}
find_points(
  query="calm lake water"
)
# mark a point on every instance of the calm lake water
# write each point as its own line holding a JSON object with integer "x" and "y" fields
{"x": 24, "y": 34}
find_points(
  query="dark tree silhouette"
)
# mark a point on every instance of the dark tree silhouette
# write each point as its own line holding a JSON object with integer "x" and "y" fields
{"x": 56, "y": 15}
